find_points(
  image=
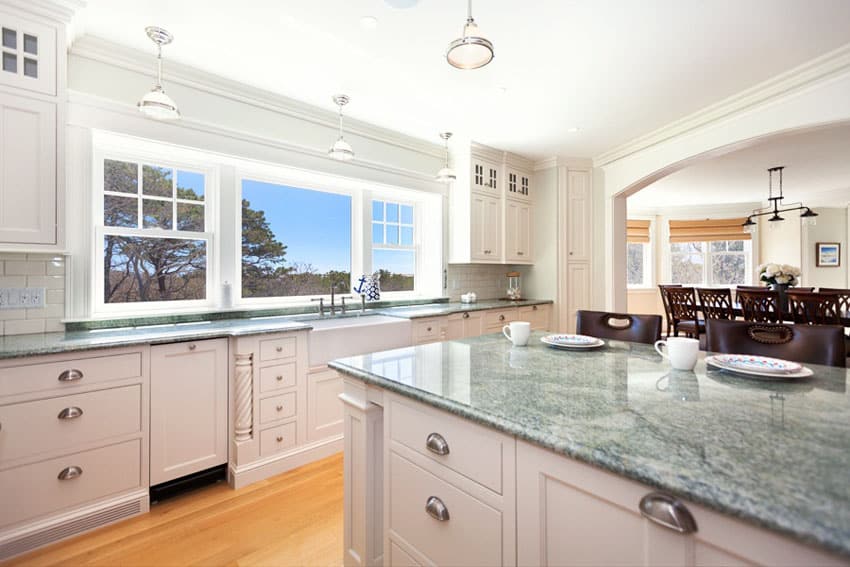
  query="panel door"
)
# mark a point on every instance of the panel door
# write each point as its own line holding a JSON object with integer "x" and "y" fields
{"x": 188, "y": 408}
{"x": 477, "y": 220}
{"x": 579, "y": 211}
{"x": 492, "y": 228}
{"x": 28, "y": 59}
{"x": 578, "y": 291}
{"x": 517, "y": 232}
{"x": 517, "y": 184}
{"x": 324, "y": 408}
{"x": 485, "y": 176}
{"x": 27, "y": 170}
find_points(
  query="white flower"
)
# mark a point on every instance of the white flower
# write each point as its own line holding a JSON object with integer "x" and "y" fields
{"x": 782, "y": 279}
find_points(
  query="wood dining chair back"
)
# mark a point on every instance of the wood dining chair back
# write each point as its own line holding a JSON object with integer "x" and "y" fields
{"x": 813, "y": 344}
{"x": 842, "y": 296}
{"x": 619, "y": 326}
{"x": 684, "y": 311}
{"x": 716, "y": 303}
{"x": 760, "y": 306}
{"x": 810, "y": 308}
{"x": 668, "y": 313}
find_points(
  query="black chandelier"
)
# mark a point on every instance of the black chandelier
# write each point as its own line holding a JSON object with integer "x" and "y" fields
{"x": 775, "y": 204}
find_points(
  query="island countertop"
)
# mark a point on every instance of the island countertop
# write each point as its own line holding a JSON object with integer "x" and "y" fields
{"x": 773, "y": 453}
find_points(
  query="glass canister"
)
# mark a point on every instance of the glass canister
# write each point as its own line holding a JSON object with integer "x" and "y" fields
{"x": 514, "y": 290}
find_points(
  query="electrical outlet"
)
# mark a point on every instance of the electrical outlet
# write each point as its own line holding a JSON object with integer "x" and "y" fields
{"x": 22, "y": 297}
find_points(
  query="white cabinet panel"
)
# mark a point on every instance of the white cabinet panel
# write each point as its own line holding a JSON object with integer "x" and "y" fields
{"x": 518, "y": 236}
{"x": 518, "y": 184}
{"x": 188, "y": 408}
{"x": 579, "y": 232}
{"x": 27, "y": 170}
{"x": 578, "y": 287}
{"x": 485, "y": 176}
{"x": 324, "y": 408}
{"x": 28, "y": 54}
{"x": 486, "y": 226}
{"x": 538, "y": 315}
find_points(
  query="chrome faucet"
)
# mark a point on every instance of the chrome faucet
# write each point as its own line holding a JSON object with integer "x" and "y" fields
{"x": 333, "y": 298}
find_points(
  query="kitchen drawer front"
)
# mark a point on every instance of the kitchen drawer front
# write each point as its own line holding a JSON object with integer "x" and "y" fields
{"x": 278, "y": 377}
{"x": 69, "y": 373}
{"x": 277, "y": 407}
{"x": 537, "y": 315}
{"x": 472, "y": 534}
{"x": 277, "y": 439}
{"x": 427, "y": 330}
{"x": 276, "y": 349}
{"x": 34, "y": 490}
{"x": 400, "y": 558}
{"x": 495, "y": 319}
{"x": 473, "y": 451}
{"x": 31, "y": 428}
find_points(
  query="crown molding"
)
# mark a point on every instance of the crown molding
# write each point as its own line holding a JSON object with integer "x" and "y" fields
{"x": 816, "y": 70}
{"x": 562, "y": 161}
{"x": 693, "y": 212}
{"x": 62, "y": 10}
{"x": 104, "y": 51}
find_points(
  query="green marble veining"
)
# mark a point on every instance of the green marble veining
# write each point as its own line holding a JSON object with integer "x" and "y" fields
{"x": 439, "y": 309}
{"x": 775, "y": 454}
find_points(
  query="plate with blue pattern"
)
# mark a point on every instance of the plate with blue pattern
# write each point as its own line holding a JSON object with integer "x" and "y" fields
{"x": 762, "y": 366}
{"x": 572, "y": 342}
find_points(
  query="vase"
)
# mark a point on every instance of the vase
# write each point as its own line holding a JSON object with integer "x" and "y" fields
{"x": 780, "y": 289}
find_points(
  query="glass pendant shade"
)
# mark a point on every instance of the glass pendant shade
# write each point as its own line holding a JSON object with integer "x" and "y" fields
{"x": 446, "y": 175}
{"x": 341, "y": 151}
{"x": 158, "y": 105}
{"x": 472, "y": 50}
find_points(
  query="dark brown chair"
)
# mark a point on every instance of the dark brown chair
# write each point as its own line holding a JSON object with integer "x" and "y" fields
{"x": 841, "y": 295}
{"x": 668, "y": 313}
{"x": 619, "y": 326}
{"x": 810, "y": 308}
{"x": 716, "y": 303}
{"x": 760, "y": 306}
{"x": 683, "y": 306}
{"x": 813, "y": 344}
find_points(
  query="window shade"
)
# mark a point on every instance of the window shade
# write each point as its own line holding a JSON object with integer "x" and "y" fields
{"x": 637, "y": 231}
{"x": 708, "y": 230}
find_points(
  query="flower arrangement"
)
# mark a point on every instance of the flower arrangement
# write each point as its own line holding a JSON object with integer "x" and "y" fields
{"x": 781, "y": 274}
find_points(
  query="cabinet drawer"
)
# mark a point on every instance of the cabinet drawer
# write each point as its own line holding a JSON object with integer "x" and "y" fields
{"x": 277, "y": 439}
{"x": 33, "y": 490}
{"x": 69, "y": 373}
{"x": 36, "y": 427}
{"x": 277, "y": 407}
{"x": 275, "y": 349}
{"x": 278, "y": 377}
{"x": 426, "y": 330}
{"x": 495, "y": 319}
{"x": 473, "y": 451}
{"x": 472, "y": 535}
{"x": 400, "y": 558}
{"x": 537, "y": 315}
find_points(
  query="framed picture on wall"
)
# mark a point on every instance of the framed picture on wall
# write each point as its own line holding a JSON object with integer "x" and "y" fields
{"x": 828, "y": 254}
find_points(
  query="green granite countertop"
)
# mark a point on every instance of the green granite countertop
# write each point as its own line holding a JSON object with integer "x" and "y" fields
{"x": 439, "y": 309}
{"x": 773, "y": 453}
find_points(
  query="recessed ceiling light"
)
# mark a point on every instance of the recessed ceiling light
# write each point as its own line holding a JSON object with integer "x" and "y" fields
{"x": 368, "y": 22}
{"x": 573, "y": 129}
{"x": 401, "y": 4}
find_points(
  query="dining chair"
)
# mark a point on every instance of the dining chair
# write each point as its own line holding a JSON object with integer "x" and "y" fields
{"x": 684, "y": 310}
{"x": 716, "y": 303}
{"x": 841, "y": 295}
{"x": 810, "y": 308}
{"x": 619, "y": 326}
{"x": 668, "y": 314}
{"x": 813, "y": 344}
{"x": 760, "y": 306}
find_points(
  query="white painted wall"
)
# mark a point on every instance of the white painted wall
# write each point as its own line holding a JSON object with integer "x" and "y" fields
{"x": 541, "y": 279}
{"x": 831, "y": 227}
{"x": 780, "y": 242}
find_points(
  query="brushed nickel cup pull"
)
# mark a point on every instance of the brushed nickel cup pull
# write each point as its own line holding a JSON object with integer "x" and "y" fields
{"x": 279, "y": 408}
{"x": 667, "y": 511}
{"x": 69, "y": 473}
{"x": 436, "y": 443}
{"x": 520, "y": 253}
{"x": 279, "y": 438}
{"x": 71, "y": 375}
{"x": 70, "y": 413}
{"x": 193, "y": 346}
{"x": 279, "y": 349}
{"x": 436, "y": 509}
{"x": 279, "y": 377}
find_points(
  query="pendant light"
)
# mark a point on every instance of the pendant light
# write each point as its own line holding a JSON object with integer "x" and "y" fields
{"x": 472, "y": 50}
{"x": 775, "y": 206}
{"x": 341, "y": 150}
{"x": 156, "y": 104}
{"x": 446, "y": 174}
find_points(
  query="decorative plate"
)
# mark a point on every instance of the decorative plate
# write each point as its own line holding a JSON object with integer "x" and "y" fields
{"x": 572, "y": 341}
{"x": 753, "y": 363}
{"x": 803, "y": 371}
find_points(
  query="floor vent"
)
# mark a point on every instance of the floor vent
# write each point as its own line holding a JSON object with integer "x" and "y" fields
{"x": 68, "y": 529}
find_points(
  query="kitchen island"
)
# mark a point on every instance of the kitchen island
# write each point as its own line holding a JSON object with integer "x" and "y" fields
{"x": 476, "y": 452}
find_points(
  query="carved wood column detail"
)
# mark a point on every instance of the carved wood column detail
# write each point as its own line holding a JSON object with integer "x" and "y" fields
{"x": 244, "y": 391}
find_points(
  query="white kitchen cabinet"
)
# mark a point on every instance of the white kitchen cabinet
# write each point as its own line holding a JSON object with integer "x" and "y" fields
{"x": 429, "y": 330}
{"x": 324, "y": 408}
{"x": 578, "y": 295}
{"x": 486, "y": 226}
{"x": 570, "y": 513}
{"x": 518, "y": 183}
{"x": 486, "y": 176}
{"x": 538, "y": 315}
{"x": 27, "y": 170}
{"x": 579, "y": 204}
{"x": 29, "y": 54}
{"x": 518, "y": 236}
{"x": 188, "y": 408}
{"x": 464, "y": 325}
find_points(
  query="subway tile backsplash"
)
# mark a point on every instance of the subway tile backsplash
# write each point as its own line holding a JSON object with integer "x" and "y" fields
{"x": 34, "y": 270}
{"x": 487, "y": 281}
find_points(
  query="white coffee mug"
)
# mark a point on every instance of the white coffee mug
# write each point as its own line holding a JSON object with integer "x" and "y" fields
{"x": 517, "y": 332}
{"x": 681, "y": 351}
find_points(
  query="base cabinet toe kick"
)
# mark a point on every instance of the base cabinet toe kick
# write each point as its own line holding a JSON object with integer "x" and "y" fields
{"x": 425, "y": 487}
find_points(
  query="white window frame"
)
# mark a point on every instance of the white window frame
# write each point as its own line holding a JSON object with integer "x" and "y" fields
{"x": 708, "y": 258}
{"x": 143, "y": 155}
{"x": 415, "y": 247}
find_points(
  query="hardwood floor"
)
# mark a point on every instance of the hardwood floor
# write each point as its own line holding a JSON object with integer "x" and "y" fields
{"x": 291, "y": 519}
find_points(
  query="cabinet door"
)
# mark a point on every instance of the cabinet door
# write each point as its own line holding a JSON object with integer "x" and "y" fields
{"x": 472, "y": 324}
{"x": 455, "y": 327}
{"x": 517, "y": 232}
{"x": 324, "y": 408}
{"x": 29, "y": 54}
{"x": 477, "y": 220}
{"x": 485, "y": 176}
{"x": 188, "y": 408}
{"x": 492, "y": 229}
{"x": 578, "y": 291}
{"x": 27, "y": 170}
{"x": 517, "y": 184}
{"x": 579, "y": 210}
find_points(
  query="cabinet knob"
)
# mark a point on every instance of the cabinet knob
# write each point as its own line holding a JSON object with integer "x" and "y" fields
{"x": 571, "y": 253}
{"x": 437, "y": 444}
{"x": 534, "y": 308}
{"x": 71, "y": 375}
{"x": 667, "y": 511}
{"x": 279, "y": 438}
{"x": 70, "y": 413}
{"x": 279, "y": 377}
{"x": 465, "y": 315}
{"x": 428, "y": 329}
{"x": 520, "y": 253}
{"x": 69, "y": 473}
{"x": 279, "y": 408}
{"x": 436, "y": 509}
{"x": 193, "y": 346}
{"x": 501, "y": 317}
{"x": 279, "y": 349}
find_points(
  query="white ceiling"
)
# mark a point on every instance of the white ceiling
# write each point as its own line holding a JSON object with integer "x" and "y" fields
{"x": 817, "y": 171}
{"x": 616, "y": 69}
